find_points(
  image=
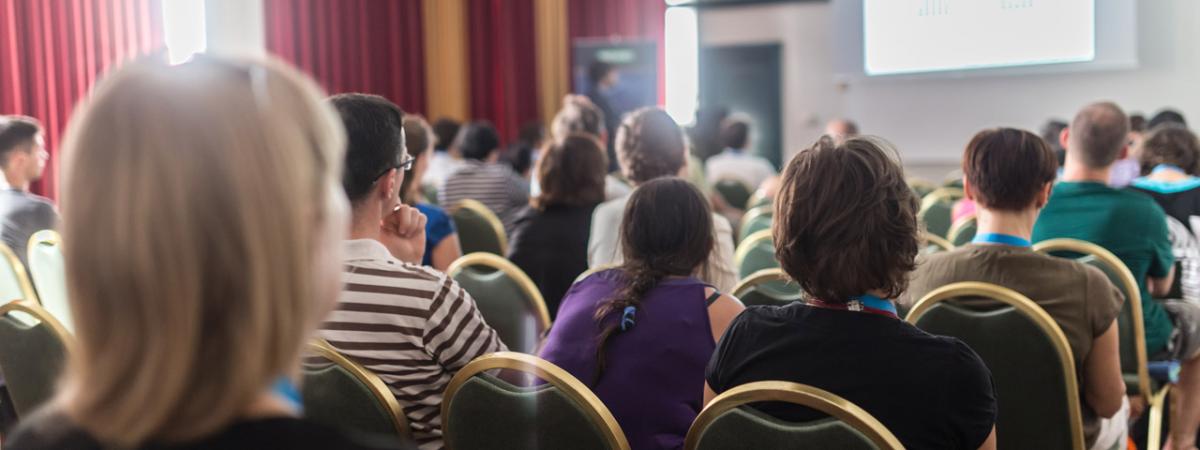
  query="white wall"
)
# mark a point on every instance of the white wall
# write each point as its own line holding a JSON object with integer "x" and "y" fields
{"x": 235, "y": 27}
{"x": 930, "y": 119}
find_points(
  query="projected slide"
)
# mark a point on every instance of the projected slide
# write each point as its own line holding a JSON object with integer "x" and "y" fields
{"x": 910, "y": 36}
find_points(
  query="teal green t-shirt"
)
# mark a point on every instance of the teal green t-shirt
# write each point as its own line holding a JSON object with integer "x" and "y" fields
{"x": 1127, "y": 223}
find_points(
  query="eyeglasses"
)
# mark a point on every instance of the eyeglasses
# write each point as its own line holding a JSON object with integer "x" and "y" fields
{"x": 404, "y": 166}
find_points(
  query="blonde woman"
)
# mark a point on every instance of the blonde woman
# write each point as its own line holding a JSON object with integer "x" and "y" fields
{"x": 203, "y": 219}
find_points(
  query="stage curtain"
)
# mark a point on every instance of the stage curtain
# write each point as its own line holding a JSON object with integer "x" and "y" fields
{"x": 52, "y": 52}
{"x": 446, "y": 59}
{"x": 369, "y": 46}
{"x": 503, "y": 63}
{"x": 619, "y": 19}
{"x": 553, "y": 56}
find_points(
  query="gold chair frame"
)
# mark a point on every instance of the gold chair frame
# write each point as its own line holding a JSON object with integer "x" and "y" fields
{"x": 1129, "y": 285}
{"x": 755, "y": 198}
{"x": 914, "y": 183}
{"x": 1035, "y": 313}
{"x": 957, "y": 227}
{"x": 746, "y": 246}
{"x": 514, "y": 273}
{"x": 800, "y": 394}
{"x": 751, "y": 214}
{"x": 34, "y": 309}
{"x": 575, "y": 390}
{"x": 21, "y": 273}
{"x": 950, "y": 194}
{"x": 757, "y": 278}
{"x": 378, "y": 388}
{"x": 939, "y": 241}
{"x": 489, "y": 216}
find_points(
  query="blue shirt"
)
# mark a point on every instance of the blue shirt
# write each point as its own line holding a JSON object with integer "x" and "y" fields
{"x": 438, "y": 226}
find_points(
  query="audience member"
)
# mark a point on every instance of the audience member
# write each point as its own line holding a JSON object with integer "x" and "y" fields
{"x": 640, "y": 336}
{"x": 1170, "y": 162}
{"x": 705, "y": 133}
{"x": 22, "y": 158}
{"x": 650, "y": 145}
{"x": 411, "y": 325}
{"x": 1050, "y": 133}
{"x": 579, "y": 115}
{"x": 1008, "y": 173}
{"x": 735, "y": 163}
{"x": 441, "y": 240}
{"x": 846, "y": 230}
{"x": 550, "y": 237}
{"x": 1166, "y": 116}
{"x": 199, "y": 260}
{"x": 1127, "y": 168}
{"x": 445, "y": 159}
{"x": 482, "y": 178}
{"x": 602, "y": 77}
{"x": 1134, "y": 228}
{"x": 841, "y": 129}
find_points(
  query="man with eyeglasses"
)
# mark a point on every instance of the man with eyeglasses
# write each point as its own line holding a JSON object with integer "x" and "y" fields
{"x": 411, "y": 325}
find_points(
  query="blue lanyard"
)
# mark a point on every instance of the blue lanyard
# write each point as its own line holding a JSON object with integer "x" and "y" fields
{"x": 873, "y": 302}
{"x": 284, "y": 388}
{"x": 1166, "y": 168}
{"x": 1004, "y": 239}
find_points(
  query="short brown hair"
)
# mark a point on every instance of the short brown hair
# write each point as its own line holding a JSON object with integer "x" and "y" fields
{"x": 1098, "y": 133}
{"x": 846, "y": 220}
{"x": 16, "y": 131}
{"x": 578, "y": 115}
{"x": 571, "y": 172}
{"x": 650, "y": 145}
{"x": 735, "y": 134}
{"x": 1171, "y": 144}
{"x": 1005, "y": 168}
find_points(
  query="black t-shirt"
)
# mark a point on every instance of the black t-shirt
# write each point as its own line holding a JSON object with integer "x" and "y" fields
{"x": 551, "y": 247}
{"x": 55, "y": 432}
{"x": 932, "y": 392}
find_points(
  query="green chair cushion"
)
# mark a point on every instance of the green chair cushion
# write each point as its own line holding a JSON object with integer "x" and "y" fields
{"x": 335, "y": 397}
{"x": 31, "y": 359}
{"x": 747, "y": 428}
{"x": 758, "y": 223}
{"x": 475, "y": 233}
{"x": 489, "y": 413}
{"x": 762, "y": 256}
{"x": 772, "y": 293}
{"x": 966, "y": 234}
{"x": 735, "y": 193}
{"x": 937, "y": 218}
{"x": 503, "y": 305}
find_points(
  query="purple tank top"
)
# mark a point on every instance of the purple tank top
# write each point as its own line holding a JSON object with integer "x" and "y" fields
{"x": 653, "y": 382}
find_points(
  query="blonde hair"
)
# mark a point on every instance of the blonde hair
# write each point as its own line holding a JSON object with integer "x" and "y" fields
{"x": 195, "y": 200}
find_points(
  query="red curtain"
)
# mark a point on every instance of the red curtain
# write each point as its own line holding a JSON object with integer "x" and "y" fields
{"x": 51, "y": 53}
{"x": 369, "y": 46}
{"x": 619, "y": 19}
{"x": 503, "y": 63}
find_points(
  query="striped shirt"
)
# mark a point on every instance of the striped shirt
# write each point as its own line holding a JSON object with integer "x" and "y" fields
{"x": 412, "y": 326}
{"x": 493, "y": 184}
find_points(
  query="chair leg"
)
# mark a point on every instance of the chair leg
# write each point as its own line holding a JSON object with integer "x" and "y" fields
{"x": 1154, "y": 432}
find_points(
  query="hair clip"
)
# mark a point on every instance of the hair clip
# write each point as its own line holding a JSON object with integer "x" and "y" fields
{"x": 627, "y": 318}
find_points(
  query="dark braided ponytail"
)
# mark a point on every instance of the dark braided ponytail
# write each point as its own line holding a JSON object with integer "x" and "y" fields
{"x": 667, "y": 231}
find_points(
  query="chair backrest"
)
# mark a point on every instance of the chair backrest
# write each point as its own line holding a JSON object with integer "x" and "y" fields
{"x": 507, "y": 298}
{"x": 734, "y": 192}
{"x": 756, "y": 219}
{"x": 47, "y": 270}
{"x": 921, "y": 187}
{"x": 479, "y": 230}
{"x": 934, "y": 243}
{"x": 768, "y": 287}
{"x": 755, "y": 253}
{"x": 729, "y": 423}
{"x": 343, "y": 394}
{"x": 481, "y": 411}
{"x": 33, "y": 348}
{"x": 758, "y": 199}
{"x": 1031, "y": 362}
{"x": 963, "y": 230}
{"x": 936, "y": 213}
{"x": 14, "y": 280}
{"x": 1131, "y": 329}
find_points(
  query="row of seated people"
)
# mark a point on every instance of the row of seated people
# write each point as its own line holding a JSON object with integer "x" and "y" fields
{"x": 254, "y": 257}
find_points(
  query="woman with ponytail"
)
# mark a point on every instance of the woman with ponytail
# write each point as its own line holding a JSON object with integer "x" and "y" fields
{"x": 640, "y": 335}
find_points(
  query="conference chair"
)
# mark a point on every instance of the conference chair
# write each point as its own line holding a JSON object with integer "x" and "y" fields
{"x": 921, "y": 187}
{"x": 340, "y": 393}
{"x": 479, "y": 230}
{"x": 767, "y": 287}
{"x": 937, "y": 209}
{"x": 756, "y": 219}
{"x": 1032, "y": 366}
{"x": 1131, "y": 328}
{"x": 14, "y": 280}
{"x": 429, "y": 192}
{"x": 481, "y": 411}
{"x": 33, "y": 348}
{"x": 755, "y": 253}
{"x": 506, "y": 297}
{"x": 48, "y": 273}
{"x": 758, "y": 199}
{"x": 963, "y": 230}
{"x": 734, "y": 192}
{"x": 730, "y": 423}
{"x": 934, "y": 243}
